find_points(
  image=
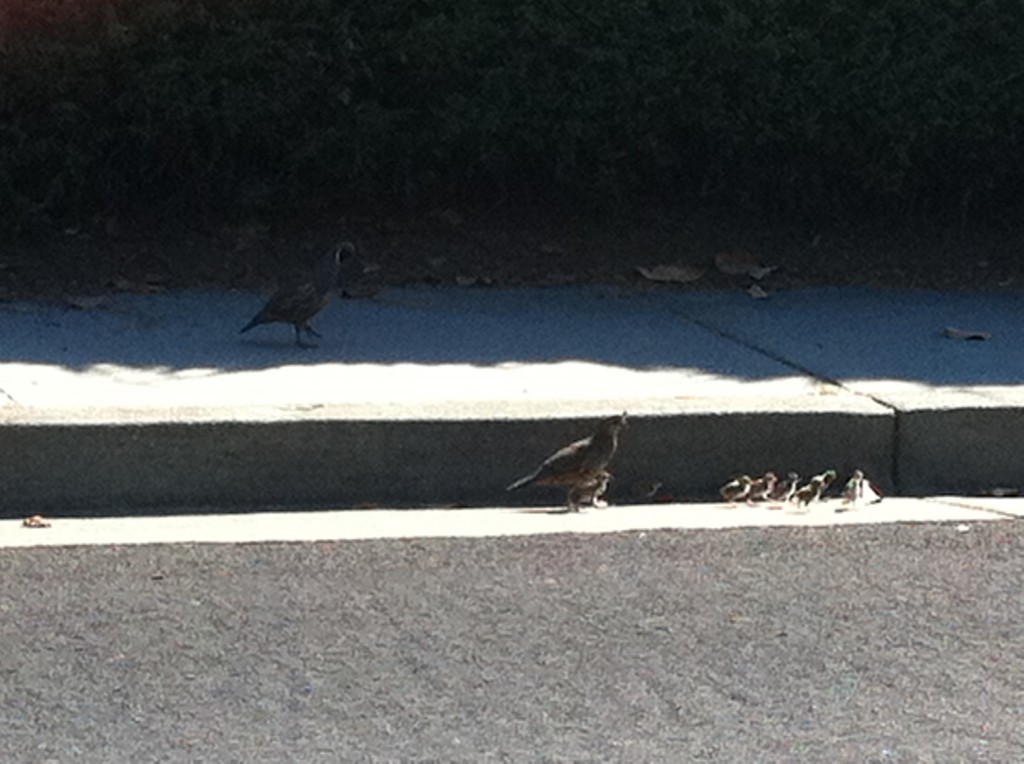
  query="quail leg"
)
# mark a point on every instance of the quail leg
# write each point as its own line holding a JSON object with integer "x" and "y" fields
{"x": 298, "y": 339}
{"x": 572, "y": 502}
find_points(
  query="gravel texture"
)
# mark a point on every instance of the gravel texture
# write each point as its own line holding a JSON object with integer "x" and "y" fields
{"x": 897, "y": 643}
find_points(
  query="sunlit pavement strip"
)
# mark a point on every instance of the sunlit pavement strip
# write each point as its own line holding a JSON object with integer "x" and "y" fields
{"x": 407, "y": 523}
{"x": 1007, "y": 507}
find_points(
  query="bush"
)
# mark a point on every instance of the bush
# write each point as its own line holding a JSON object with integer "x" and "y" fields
{"x": 265, "y": 107}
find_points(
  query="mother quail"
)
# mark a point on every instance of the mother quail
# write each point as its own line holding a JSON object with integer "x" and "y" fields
{"x": 580, "y": 466}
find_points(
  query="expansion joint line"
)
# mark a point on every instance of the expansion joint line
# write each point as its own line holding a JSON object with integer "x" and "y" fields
{"x": 6, "y": 395}
{"x": 894, "y": 470}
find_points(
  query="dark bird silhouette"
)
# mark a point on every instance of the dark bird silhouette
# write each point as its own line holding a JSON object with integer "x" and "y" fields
{"x": 296, "y": 302}
{"x": 580, "y": 466}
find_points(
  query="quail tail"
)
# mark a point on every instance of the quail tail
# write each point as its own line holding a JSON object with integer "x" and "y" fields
{"x": 521, "y": 482}
{"x": 256, "y": 321}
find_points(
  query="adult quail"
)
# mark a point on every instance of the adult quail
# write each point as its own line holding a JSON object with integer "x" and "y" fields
{"x": 296, "y": 302}
{"x": 580, "y": 466}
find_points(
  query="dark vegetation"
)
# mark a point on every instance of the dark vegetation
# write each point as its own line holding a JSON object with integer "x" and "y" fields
{"x": 263, "y": 112}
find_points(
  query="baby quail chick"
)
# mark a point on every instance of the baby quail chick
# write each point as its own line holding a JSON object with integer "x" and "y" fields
{"x": 736, "y": 489}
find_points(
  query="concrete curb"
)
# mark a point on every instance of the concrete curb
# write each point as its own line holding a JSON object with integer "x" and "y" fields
{"x": 116, "y": 461}
{"x": 352, "y": 456}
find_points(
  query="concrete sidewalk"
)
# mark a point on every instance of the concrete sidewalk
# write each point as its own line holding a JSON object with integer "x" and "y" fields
{"x": 440, "y": 396}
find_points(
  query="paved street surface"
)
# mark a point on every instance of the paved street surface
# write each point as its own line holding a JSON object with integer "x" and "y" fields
{"x": 860, "y": 643}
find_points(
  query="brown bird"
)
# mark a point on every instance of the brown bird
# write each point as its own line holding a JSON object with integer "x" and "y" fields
{"x": 736, "y": 489}
{"x": 825, "y": 478}
{"x": 785, "y": 489}
{"x": 296, "y": 302}
{"x": 580, "y": 466}
{"x": 762, "y": 487}
{"x": 814, "y": 489}
{"x": 805, "y": 494}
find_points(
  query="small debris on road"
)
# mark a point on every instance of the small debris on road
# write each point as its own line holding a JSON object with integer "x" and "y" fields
{"x": 738, "y": 263}
{"x": 676, "y": 274}
{"x": 36, "y": 521}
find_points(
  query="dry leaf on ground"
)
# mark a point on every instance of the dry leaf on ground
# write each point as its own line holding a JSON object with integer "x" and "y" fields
{"x": 755, "y": 291}
{"x": 556, "y": 278}
{"x": 737, "y": 263}
{"x": 85, "y": 303}
{"x": 362, "y": 291}
{"x": 1001, "y": 492}
{"x": 36, "y": 521}
{"x": 121, "y": 284}
{"x": 758, "y": 272}
{"x": 961, "y": 334}
{"x": 676, "y": 274}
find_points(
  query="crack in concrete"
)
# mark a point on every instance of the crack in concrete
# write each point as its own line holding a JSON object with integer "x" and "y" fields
{"x": 894, "y": 470}
{"x": 765, "y": 352}
{"x": 8, "y": 396}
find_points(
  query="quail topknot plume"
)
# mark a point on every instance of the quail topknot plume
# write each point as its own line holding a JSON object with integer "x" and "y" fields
{"x": 580, "y": 466}
{"x": 296, "y": 302}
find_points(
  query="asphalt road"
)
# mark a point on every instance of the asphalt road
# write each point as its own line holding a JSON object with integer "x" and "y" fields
{"x": 881, "y": 643}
